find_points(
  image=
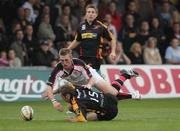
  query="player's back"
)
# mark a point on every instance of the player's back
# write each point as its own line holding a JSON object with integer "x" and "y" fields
{"x": 90, "y": 100}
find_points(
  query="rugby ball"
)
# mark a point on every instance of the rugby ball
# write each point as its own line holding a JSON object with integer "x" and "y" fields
{"x": 27, "y": 113}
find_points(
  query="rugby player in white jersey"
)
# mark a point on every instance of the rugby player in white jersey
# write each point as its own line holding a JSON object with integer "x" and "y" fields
{"x": 78, "y": 73}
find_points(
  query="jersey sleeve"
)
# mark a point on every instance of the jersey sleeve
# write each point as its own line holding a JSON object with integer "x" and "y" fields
{"x": 53, "y": 76}
{"x": 80, "y": 116}
{"x": 106, "y": 34}
{"x": 78, "y": 36}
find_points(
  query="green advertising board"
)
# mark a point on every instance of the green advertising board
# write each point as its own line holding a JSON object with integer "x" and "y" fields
{"x": 25, "y": 84}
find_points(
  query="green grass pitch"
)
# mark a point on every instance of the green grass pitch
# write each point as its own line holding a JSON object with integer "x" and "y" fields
{"x": 144, "y": 115}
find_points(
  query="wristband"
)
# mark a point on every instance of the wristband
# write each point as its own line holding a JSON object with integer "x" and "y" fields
{"x": 53, "y": 101}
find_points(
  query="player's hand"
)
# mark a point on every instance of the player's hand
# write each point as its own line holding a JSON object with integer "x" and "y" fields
{"x": 58, "y": 106}
{"x": 87, "y": 86}
{"x": 112, "y": 55}
{"x": 70, "y": 119}
{"x": 44, "y": 96}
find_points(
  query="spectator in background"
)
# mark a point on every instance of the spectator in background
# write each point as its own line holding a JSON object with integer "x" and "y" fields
{"x": 144, "y": 33}
{"x": 128, "y": 35}
{"x": 116, "y": 17}
{"x": 13, "y": 60}
{"x": 111, "y": 27}
{"x": 31, "y": 43}
{"x": 157, "y": 31}
{"x": 46, "y": 10}
{"x": 165, "y": 14}
{"x": 175, "y": 31}
{"x": 172, "y": 55}
{"x": 45, "y": 30}
{"x": 175, "y": 17}
{"x": 135, "y": 54}
{"x": 27, "y": 13}
{"x": 66, "y": 10}
{"x": 151, "y": 53}
{"x": 63, "y": 31}
{"x": 103, "y": 8}
{"x": 59, "y": 5}
{"x": 15, "y": 26}
{"x": 37, "y": 6}
{"x": 53, "y": 50}
{"x": 4, "y": 42}
{"x": 19, "y": 47}
{"x": 21, "y": 18}
{"x": 145, "y": 8}
{"x": 3, "y": 59}
{"x": 121, "y": 57}
{"x": 44, "y": 57}
{"x": 29, "y": 5}
{"x": 131, "y": 8}
{"x": 79, "y": 10}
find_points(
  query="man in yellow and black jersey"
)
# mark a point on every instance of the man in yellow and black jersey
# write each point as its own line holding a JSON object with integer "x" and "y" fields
{"x": 89, "y": 105}
{"x": 90, "y": 36}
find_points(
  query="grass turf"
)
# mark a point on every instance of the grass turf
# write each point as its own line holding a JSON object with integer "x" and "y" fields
{"x": 144, "y": 115}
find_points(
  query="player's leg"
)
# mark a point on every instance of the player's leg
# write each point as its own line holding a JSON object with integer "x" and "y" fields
{"x": 125, "y": 74}
{"x": 115, "y": 87}
{"x": 101, "y": 84}
{"x": 110, "y": 108}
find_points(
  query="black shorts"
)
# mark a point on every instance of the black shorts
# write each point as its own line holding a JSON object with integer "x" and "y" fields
{"x": 92, "y": 61}
{"x": 110, "y": 108}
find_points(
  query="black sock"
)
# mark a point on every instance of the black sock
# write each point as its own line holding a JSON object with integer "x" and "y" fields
{"x": 126, "y": 76}
{"x": 117, "y": 84}
{"x": 122, "y": 96}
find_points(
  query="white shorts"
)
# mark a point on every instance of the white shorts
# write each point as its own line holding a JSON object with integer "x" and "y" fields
{"x": 96, "y": 76}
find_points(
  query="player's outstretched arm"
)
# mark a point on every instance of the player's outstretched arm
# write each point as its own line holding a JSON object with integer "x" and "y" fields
{"x": 55, "y": 103}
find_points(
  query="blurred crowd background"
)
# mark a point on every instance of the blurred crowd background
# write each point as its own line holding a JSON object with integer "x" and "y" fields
{"x": 33, "y": 31}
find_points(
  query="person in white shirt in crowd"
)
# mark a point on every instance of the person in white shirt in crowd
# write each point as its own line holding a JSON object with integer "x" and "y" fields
{"x": 172, "y": 55}
{"x": 29, "y": 5}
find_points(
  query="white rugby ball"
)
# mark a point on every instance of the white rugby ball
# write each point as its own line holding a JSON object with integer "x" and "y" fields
{"x": 27, "y": 113}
